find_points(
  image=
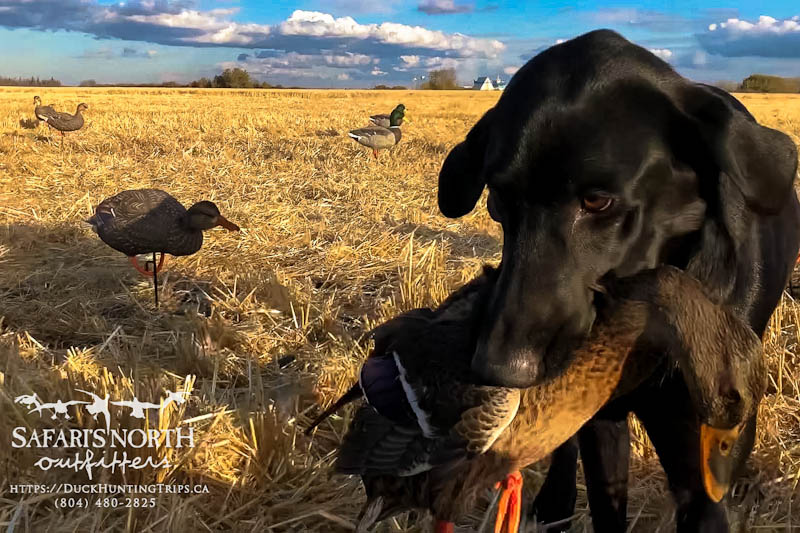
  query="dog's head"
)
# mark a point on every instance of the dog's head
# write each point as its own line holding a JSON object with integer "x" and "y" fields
{"x": 599, "y": 158}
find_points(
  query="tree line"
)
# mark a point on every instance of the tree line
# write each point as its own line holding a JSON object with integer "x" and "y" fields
{"x": 762, "y": 83}
{"x": 29, "y": 82}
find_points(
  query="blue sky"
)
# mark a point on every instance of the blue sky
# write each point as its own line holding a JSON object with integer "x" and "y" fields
{"x": 361, "y": 43}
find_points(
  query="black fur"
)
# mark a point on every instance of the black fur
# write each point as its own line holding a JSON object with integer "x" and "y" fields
{"x": 695, "y": 182}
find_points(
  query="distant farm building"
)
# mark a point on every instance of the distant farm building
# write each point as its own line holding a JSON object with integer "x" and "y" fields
{"x": 485, "y": 84}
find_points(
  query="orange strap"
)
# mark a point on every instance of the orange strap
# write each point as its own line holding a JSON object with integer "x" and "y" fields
{"x": 443, "y": 526}
{"x": 509, "y": 508}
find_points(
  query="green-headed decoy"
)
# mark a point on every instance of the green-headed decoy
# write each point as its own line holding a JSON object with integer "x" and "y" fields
{"x": 151, "y": 221}
{"x": 384, "y": 121}
{"x": 429, "y": 437}
{"x": 378, "y": 137}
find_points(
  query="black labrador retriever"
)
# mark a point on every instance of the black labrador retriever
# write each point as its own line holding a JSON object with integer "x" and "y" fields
{"x": 599, "y": 158}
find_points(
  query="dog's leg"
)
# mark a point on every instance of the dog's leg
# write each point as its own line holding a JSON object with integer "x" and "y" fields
{"x": 605, "y": 451}
{"x": 556, "y": 499}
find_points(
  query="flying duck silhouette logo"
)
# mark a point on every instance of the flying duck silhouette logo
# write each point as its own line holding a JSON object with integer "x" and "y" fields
{"x": 98, "y": 405}
{"x": 113, "y": 445}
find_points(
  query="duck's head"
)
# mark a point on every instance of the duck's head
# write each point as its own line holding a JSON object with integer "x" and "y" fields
{"x": 397, "y": 116}
{"x": 721, "y": 360}
{"x": 82, "y": 108}
{"x": 205, "y": 215}
{"x": 37, "y": 100}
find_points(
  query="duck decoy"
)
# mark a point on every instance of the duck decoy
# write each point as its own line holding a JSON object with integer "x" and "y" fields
{"x": 384, "y": 121}
{"x": 378, "y": 137}
{"x": 151, "y": 221}
{"x": 64, "y": 122}
{"x": 430, "y": 437}
{"x": 42, "y": 112}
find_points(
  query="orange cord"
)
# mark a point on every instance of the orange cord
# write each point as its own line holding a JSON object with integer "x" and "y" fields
{"x": 443, "y": 526}
{"x": 146, "y": 272}
{"x": 509, "y": 507}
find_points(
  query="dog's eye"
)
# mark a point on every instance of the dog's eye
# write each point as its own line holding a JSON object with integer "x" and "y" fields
{"x": 595, "y": 203}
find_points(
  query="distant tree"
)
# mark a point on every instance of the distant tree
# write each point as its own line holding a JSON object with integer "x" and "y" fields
{"x": 441, "y": 79}
{"x": 170, "y": 84}
{"x": 234, "y": 78}
{"x": 88, "y": 83}
{"x": 763, "y": 83}
{"x": 399, "y": 88}
{"x": 29, "y": 82}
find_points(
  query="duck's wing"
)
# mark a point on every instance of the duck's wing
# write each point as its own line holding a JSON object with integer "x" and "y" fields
{"x": 43, "y": 112}
{"x": 137, "y": 221}
{"x": 374, "y": 137}
{"x": 381, "y": 120}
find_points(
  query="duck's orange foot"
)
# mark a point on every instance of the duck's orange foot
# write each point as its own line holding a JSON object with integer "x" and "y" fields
{"x": 145, "y": 270}
{"x": 443, "y": 526}
{"x": 510, "y": 505}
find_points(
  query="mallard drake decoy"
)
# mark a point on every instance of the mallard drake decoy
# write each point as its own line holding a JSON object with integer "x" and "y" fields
{"x": 144, "y": 221}
{"x": 42, "y": 112}
{"x": 429, "y": 437}
{"x": 377, "y": 137}
{"x": 384, "y": 121}
{"x": 64, "y": 122}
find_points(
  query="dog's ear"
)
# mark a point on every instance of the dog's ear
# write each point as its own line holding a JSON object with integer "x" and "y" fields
{"x": 461, "y": 179}
{"x": 760, "y": 161}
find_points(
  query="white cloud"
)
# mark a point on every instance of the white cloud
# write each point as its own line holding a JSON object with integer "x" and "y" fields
{"x": 663, "y": 53}
{"x": 511, "y": 70}
{"x": 316, "y": 24}
{"x": 343, "y": 76}
{"x": 377, "y": 72}
{"x": 766, "y": 37}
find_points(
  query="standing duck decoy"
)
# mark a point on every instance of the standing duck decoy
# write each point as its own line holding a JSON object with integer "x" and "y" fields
{"x": 429, "y": 437}
{"x": 378, "y": 137}
{"x": 64, "y": 122}
{"x": 42, "y": 112}
{"x": 384, "y": 121}
{"x": 144, "y": 221}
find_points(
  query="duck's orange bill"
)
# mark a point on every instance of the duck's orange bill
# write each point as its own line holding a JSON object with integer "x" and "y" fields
{"x": 716, "y": 460}
{"x": 227, "y": 224}
{"x": 144, "y": 271}
{"x": 509, "y": 508}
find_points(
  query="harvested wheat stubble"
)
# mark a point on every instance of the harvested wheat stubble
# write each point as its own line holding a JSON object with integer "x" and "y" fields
{"x": 332, "y": 243}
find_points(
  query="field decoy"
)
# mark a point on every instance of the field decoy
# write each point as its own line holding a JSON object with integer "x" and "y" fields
{"x": 429, "y": 437}
{"x": 64, "y": 122}
{"x": 42, "y": 112}
{"x": 378, "y": 137}
{"x": 384, "y": 120}
{"x": 145, "y": 221}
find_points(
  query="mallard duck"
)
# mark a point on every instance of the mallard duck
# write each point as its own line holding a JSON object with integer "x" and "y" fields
{"x": 384, "y": 121}
{"x": 64, "y": 122}
{"x": 429, "y": 437}
{"x": 42, "y": 112}
{"x": 378, "y": 137}
{"x": 144, "y": 221}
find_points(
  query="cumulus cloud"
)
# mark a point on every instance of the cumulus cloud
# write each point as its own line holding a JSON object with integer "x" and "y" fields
{"x": 377, "y": 72}
{"x": 511, "y": 70}
{"x": 663, "y": 53}
{"x": 767, "y": 37}
{"x": 176, "y": 23}
{"x": 443, "y": 7}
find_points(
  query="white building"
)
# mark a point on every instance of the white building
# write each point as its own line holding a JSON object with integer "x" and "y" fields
{"x": 483, "y": 84}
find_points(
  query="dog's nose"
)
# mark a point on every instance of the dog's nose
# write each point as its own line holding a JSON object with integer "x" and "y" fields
{"x": 519, "y": 370}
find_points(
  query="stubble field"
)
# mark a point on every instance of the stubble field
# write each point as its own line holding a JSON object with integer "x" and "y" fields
{"x": 267, "y": 324}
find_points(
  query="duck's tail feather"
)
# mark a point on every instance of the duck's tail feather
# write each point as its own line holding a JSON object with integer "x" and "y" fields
{"x": 350, "y": 396}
